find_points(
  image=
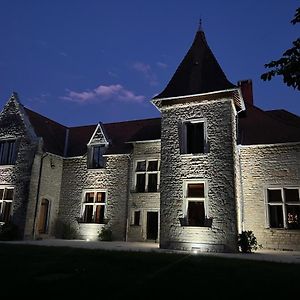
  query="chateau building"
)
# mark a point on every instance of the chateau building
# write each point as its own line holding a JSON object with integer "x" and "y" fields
{"x": 212, "y": 166}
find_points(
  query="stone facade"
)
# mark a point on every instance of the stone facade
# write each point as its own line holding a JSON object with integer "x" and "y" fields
{"x": 15, "y": 126}
{"x": 262, "y": 167}
{"x": 113, "y": 180}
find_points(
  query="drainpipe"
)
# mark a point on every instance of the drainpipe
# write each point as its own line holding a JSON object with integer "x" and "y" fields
{"x": 127, "y": 200}
{"x": 38, "y": 194}
{"x": 241, "y": 201}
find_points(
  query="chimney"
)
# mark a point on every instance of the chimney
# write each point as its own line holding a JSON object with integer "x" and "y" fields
{"x": 246, "y": 89}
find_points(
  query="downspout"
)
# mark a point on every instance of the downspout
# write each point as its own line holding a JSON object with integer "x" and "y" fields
{"x": 241, "y": 201}
{"x": 127, "y": 199}
{"x": 38, "y": 193}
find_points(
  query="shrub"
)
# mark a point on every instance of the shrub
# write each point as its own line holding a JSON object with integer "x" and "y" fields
{"x": 105, "y": 234}
{"x": 9, "y": 232}
{"x": 64, "y": 230}
{"x": 247, "y": 241}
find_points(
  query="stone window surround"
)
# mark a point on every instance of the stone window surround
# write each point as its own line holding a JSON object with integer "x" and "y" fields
{"x": 83, "y": 204}
{"x": 135, "y": 172}
{"x": 4, "y": 187}
{"x": 183, "y": 141}
{"x": 186, "y": 199}
{"x": 283, "y": 204}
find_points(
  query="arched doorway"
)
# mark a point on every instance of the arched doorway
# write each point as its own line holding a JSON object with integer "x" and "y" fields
{"x": 43, "y": 216}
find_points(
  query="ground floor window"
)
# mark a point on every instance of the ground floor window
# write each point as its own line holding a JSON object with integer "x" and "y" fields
{"x": 6, "y": 199}
{"x": 136, "y": 218}
{"x": 283, "y": 207}
{"x": 93, "y": 207}
{"x": 195, "y": 203}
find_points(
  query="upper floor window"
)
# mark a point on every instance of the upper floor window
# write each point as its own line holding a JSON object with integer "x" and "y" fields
{"x": 7, "y": 152}
{"x": 283, "y": 207}
{"x": 195, "y": 203}
{"x": 6, "y": 198}
{"x": 95, "y": 156}
{"x": 93, "y": 207}
{"x": 147, "y": 176}
{"x": 194, "y": 137}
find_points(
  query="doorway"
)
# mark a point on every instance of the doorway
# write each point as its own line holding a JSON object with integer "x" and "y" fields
{"x": 43, "y": 217}
{"x": 152, "y": 225}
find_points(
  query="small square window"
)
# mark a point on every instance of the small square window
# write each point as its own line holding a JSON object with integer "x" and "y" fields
{"x": 274, "y": 196}
{"x": 153, "y": 165}
{"x": 195, "y": 190}
{"x": 141, "y": 166}
{"x": 291, "y": 195}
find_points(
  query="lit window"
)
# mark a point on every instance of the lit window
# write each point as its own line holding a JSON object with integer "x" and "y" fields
{"x": 7, "y": 152}
{"x": 93, "y": 207}
{"x": 147, "y": 176}
{"x": 194, "y": 139}
{"x": 6, "y": 198}
{"x": 283, "y": 208}
{"x": 195, "y": 214}
{"x": 95, "y": 156}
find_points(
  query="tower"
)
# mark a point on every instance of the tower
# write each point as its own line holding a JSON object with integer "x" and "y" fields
{"x": 198, "y": 154}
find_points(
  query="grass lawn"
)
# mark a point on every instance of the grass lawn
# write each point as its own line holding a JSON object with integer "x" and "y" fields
{"x": 52, "y": 271}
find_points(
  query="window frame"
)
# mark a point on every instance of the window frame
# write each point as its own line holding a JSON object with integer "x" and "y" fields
{"x": 94, "y": 204}
{"x": 146, "y": 173}
{"x": 13, "y": 155}
{"x": 184, "y": 141}
{"x": 187, "y": 199}
{"x": 284, "y": 204}
{"x": 2, "y": 200}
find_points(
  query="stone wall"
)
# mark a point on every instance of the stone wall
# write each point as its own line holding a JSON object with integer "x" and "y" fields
{"x": 263, "y": 167}
{"x": 216, "y": 168}
{"x": 13, "y": 124}
{"x": 143, "y": 202}
{"x": 113, "y": 179}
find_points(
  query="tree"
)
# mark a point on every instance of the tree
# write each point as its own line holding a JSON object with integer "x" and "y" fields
{"x": 288, "y": 65}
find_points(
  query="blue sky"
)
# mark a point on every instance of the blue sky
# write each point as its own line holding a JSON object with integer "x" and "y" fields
{"x": 84, "y": 61}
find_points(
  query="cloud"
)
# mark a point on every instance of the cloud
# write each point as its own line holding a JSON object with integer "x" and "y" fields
{"x": 102, "y": 93}
{"x": 146, "y": 71}
{"x": 161, "y": 65}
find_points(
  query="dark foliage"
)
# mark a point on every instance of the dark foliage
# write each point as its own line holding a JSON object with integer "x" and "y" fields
{"x": 9, "y": 232}
{"x": 247, "y": 241}
{"x": 288, "y": 65}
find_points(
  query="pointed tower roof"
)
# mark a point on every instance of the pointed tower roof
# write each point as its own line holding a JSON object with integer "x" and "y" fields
{"x": 198, "y": 73}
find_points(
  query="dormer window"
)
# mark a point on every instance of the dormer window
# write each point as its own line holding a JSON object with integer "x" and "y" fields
{"x": 97, "y": 146}
{"x": 95, "y": 157}
{"x": 194, "y": 137}
{"x": 8, "y": 152}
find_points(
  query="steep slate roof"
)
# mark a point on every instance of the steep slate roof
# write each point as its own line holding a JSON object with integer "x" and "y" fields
{"x": 199, "y": 72}
{"x": 255, "y": 127}
{"x": 268, "y": 127}
{"x": 118, "y": 134}
{"x": 53, "y": 133}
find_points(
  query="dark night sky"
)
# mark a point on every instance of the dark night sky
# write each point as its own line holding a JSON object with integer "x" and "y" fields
{"x": 80, "y": 62}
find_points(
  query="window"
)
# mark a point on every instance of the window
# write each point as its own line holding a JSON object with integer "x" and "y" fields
{"x": 147, "y": 176}
{"x": 136, "y": 218}
{"x": 195, "y": 214}
{"x": 7, "y": 152}
{"x": 283, "y": 208}
{"x": 95, "y": 157}
{"x": 93, "y": 207}
{"x": 194, "y": 138}
{"x": 6, "y": 198}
